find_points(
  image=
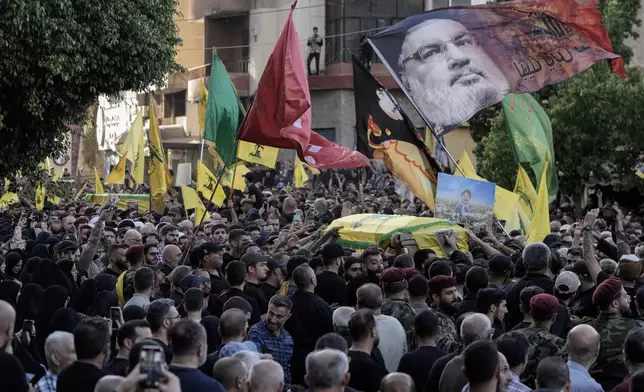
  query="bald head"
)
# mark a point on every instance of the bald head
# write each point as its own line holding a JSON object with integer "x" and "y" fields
{"x": 7, "y": 320}
{"x": 583, "y": 344}
{"x": 186, "y": 227}
{"x": 397, "y": 382}
{"x": 326, "y": 369}
{"x": 108, "y": 383}
{"x": 369, "y": 296}
{"x": 266, "y": 376}
{"x": 475, "y": 327}
{"x": 288, "y": 206}
{"x": 171, "y": 255}
{"x": 230, "y": 372}
{"x": 146, "y": 229}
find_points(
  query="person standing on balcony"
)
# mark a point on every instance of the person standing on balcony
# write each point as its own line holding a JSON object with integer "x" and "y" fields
{"x": 314, "y": 43}
{"x": 366, "y": 52}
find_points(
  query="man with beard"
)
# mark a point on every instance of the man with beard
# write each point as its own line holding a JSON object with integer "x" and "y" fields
{"x": 447, "y": 73}
{"x": 170, "y": 234}
{"x": 256, "y": 272}
{"x": 271, "y": 286}
{"x": 352, "y": 268}
{"x": 55, "y": 226}
{"x": 492, "y": 303}
{"x": 613, "y": 327}
{"x": 117, "y": 263}
{"x": 219, "y": 233}
{"x": 442, "y": 292}
{"x": 210, "y": 260}
{"x": 366, "y": 372}
{"x": 331, "y": 286}
{"x": 237, "y": 240}
{"x": 372, "y": 267}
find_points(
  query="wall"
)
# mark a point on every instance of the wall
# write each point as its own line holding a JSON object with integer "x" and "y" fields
{"x": 265, "y": 26}
{"x": 638, "y": 46}
{"x": 190, "y": 54}
{"x": 225, "y": 32}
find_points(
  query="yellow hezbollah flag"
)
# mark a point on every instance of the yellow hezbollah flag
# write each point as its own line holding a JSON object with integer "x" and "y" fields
{"x": 203, "y": 104}
{"x": 158, "y": 172}
{"x": 134, "y": 148}
{"x": 40, "y": 197}
{"x": 234, "y": 177}
{"x": 191, "y": 200}
{"x": 80, "y": 192}
{"x": 98, "y": 187}
{"x": 526, "y": 191}
{"x": 299, "y": 174}
{"x": 8, "y": 199}
{"x": 256, "y": 153}
{"x": 505, "y": 202}
{"x": 206, "y": 182}
{"x": 117, "y": 175}
{"x": 540, "y": 226}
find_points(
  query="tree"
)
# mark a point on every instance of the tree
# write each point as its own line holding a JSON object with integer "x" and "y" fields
{"x": 60, "y": 55}
{"x": 595, "y": 117}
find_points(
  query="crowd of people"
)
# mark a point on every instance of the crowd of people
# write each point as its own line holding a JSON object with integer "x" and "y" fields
{"x": 262, "y": 297}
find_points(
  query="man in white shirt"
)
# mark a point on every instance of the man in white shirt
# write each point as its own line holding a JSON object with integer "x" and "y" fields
{"x": 393, "y": 340}
{"x": 314, "y": 43}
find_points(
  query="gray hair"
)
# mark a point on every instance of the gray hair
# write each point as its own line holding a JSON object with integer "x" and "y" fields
{"x": 303, "y": 276}
{"x": 536, "y": 257}
{"x": 369, "y": 296}
{"x": 228, "y": 371}
{"x": 476, "y": 327}
{"x": 341, "y": 317}
{"x": 266, "y": 375}
{"x": 326, "y": 368}
{"x": 249, "y": 358}
{"x": 55, "y": 343}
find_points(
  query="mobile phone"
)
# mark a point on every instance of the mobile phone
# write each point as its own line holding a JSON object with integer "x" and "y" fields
{"x": 297, "y": 218}
{"x": 115, "y": 315}
{"x": 151, "y": 360}
{"x": 28, "y": 326}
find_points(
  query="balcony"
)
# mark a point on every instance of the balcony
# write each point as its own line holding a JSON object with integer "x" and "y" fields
{"x": 340, "y": 76}
{"x": 198, "y": 9}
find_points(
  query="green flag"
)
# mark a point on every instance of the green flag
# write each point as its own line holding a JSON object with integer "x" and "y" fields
{"x": 224, "y": 113}
{"x": 531, "y": 134}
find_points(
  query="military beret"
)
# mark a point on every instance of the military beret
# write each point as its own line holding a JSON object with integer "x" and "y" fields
{"x": 135, "y": 250}
{"x": 441, "y": 282}
{"x": 544, "y": 303}
{"x": 392, "y": 275}
{"x": 607, "y": 291}
{"x": 410, "y": 272}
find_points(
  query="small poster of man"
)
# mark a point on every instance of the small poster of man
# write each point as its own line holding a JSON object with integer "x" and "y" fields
{"x": 464, "y": 201}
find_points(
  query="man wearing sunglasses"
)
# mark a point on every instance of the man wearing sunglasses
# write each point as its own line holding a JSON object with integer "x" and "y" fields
{"x": 447, "y": 73}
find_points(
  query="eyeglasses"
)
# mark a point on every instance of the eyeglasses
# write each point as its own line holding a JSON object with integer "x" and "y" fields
{"x": 434, "y": 51}
{"x": 172, "y": 318}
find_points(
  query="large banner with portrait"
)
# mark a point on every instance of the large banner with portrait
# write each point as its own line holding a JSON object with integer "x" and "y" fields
{"x": 453, "y": 62}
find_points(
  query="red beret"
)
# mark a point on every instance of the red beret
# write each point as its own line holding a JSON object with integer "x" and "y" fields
{"x": 392, "y": 275}
{"x": 135, "y": 250}
{"x": 410, "y": 272}
{"x": 440, "y": 282}
{"x": 606, "y": 292}
{"x": 544, "y": 304}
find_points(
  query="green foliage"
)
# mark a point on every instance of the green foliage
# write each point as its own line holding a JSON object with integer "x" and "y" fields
{"x": 59, "y": 55}
{"x": 596, "y": 119}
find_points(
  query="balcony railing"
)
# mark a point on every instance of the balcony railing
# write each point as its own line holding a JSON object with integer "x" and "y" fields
{"x": 236, "y": 66}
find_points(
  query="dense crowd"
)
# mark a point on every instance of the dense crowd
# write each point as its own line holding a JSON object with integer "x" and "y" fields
{"x": 262, "y": 297}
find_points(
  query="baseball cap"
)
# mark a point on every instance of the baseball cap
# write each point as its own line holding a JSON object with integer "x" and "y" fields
{"x": 499, "y": 264}
{"x": 253, "y": 258}
{"x": 567, "y": 282}
{"x": 210, "y": 247}
{"x": 65, "y": 245}
{"x": 273, "y": 265}
{"x": 333, "y": 251}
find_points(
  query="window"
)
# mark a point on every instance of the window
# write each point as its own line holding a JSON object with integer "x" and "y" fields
{"x": 175, "y": 104}
{"x": 348, "y": 21}
{"x": 328, "y": 133}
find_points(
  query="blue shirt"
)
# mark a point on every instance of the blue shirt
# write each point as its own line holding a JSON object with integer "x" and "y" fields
{"x": 194, "y": 380}
{"x": 580, "y": 379}
{"x": 280, "y": 347}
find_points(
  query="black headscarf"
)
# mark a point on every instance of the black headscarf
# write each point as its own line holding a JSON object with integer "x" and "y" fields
{"x": 85, "y": 297}
{"x": 40, "y": 250}
{"x": 102, "y": 304}
{"x": 64, "y": 276}
{"x": 12, "y": 260}
{"x": 32, "y": 265}
{"x": 29, "y": 245}
{"x": 65, "y": 319}
{"x": 211, "y": 324}
{"x": 42, "y": 237}
{"x": 9, "y": 292}
{"x": 30, "y": 297}
{"x": 45, "y": 275}
{"x": 53, "y": 299}
{"x": 51, "y": 242}
{"x": 104, "y": 282}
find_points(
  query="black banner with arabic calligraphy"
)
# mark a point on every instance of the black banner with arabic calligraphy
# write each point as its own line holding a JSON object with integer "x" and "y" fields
{"x": 453, "y": 62}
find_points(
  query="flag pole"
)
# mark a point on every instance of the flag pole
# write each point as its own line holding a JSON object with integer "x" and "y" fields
{"x": 232, "y": 183}
{"x": 422, "y": 115}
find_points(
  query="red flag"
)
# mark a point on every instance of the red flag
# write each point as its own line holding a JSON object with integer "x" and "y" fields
{"x": 280, "y": 115}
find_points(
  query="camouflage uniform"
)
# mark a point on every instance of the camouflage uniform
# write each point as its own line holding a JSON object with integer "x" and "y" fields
{"x": 609, "y": 369}
{"x": 542, "y": 344}
{"x": 448, "y": 338}
{"x": 403, "y": 312}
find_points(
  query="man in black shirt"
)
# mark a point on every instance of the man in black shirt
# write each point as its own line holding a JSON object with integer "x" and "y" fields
{"x": 236, "y": 273}
{"x": 12, "y": 374}
{"x": 117, "y": 262}
{"x": 162, "y": 314}
{"x": 92, "y": 343}
{"x": 237, "y": 240}
{"x": 331, "y": 287}
{"x": 419, "y": 362}
{"x": 256, "y": 273}
{"x": 366, "y": 373}
{"x": 271, "y": 285}
{"x": 581, "y": 304}
{"x": 210, "y": 260}
{"x": 372, "y": 266}
{"x": 129, "y": 333}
